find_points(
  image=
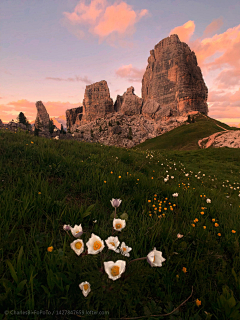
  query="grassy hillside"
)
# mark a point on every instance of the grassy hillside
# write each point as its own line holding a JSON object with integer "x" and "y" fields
{"x": 186, "y": 136}
{"x": 46, "y": 184}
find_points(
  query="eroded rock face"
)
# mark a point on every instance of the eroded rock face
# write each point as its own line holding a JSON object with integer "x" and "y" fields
{"x": 131, "y": 104}
{"x": 118, "y": 103}
{"x": 74, "y": 116}
{"x": 42, "y": 115}
{"x": 227, "y": 138}
{"x": 97, "y": 102}
{"x": 173, "y": 80}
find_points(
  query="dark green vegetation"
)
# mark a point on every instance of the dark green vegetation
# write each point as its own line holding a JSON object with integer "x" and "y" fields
{"x": 49, "y": 183}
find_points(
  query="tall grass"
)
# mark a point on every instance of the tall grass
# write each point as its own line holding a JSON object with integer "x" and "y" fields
{"x": 45, "y": 184}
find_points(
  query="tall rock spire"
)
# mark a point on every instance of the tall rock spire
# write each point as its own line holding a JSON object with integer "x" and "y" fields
{"x": 172, "y": 83}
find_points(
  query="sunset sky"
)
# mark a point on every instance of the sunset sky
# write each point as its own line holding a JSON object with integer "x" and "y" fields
{"x": 51, "y": 49}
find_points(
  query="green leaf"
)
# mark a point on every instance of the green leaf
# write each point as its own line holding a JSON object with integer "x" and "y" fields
{"x": 46, "y": 290}
{"x": 88, "y": 211}
{"x": 19, "y": 261}
{"x": 231, "y": 302}
{"x": 21, "y": 285}
{"x": 13, "y": 273}
{"x": 124, "y": 216}
{"x": 50, "y": 279}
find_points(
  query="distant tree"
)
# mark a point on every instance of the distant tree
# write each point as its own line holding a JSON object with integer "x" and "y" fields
{"x": 100, "y": 129}
{"x": 22, "y": 119}
{"x": 130, "y": 134}
{"x": 110, "y": 124}
{"x": 51, "y": 126}
{"x": 38, "y": 127}
{"x": 118, "y": 123}
{"x": 91, "y": 133}
{"x": 193, "y": 120}
{"x": 189, "y": 119}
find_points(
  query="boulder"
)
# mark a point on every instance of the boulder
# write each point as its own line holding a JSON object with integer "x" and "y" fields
{"x": 131, "y": 104}
{"x": 173, "y": 80}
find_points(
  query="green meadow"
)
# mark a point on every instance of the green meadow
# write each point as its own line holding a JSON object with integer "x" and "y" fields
{"x": 46, "y": 184}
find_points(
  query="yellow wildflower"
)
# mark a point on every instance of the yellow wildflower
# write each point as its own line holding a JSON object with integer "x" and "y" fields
{"x": 198, "y": 302}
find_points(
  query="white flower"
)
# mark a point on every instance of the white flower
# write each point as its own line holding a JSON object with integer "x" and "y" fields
{"x": 155, "y": 258}
{"x": 85, "y": 287}
{"x": 204, "y": 174}
{"x": 115, "y": 202}
{"x": 95, "y": 221}
{"x": 125, "y": 249}
{"x": 179, "y": 236}
{"x": 187, "y": 174}
{"x": 119, "y": 224}
{"x": 115, "y": 270}
{"x": 175, "y": 195}
{"x": 55, "y": 129}
{"x": 73, "y": 134}
{"x": 77, "y": 246}
{"x": 67, "y": 227}
{"x": 77, "y": 231}
{"x": 172, "y": 177}
{"x": 208, "y": 201}
{"x": 56, "y": 138}
{"x": 113, "y": 243}
{"x": 95, "y": 244}
{"x": 239, "y": 195}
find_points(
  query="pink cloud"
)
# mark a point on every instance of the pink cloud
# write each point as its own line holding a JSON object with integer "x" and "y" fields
{"x": 12, "y": 109}
{"x": 82, "y": 79}
{"x": 214, "y": 26}
{"x": 86, "y": 14}
{"x": 110, "y": 22}
{"x": 185, "y": 31}
{"x": 130, "y": 73}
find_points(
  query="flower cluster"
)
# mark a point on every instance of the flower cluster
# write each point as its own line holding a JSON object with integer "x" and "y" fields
{"x": 95, "y": 245}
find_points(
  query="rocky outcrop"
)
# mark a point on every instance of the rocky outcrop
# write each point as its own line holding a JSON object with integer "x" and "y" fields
{"x": 97, "y": 102}
{"x": 227, "y": 138}
{"x": 74, "y": 117}
{"x": 118, "y": 103}
{"x": 43, "y": 116}
{"x": 131, "y": 104}
{"x": 173, "y": 81}
{"x": 119, "y": 133}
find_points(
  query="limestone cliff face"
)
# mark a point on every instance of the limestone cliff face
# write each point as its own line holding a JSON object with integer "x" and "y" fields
{"x": 42, "y": 115}
{"x": 74, "y": 116}
{"x": 131, "y": 104}
{"x": 173, "y": 81}
{"x": 97, "y": 101}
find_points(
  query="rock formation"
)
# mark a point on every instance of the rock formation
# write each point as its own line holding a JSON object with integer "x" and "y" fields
{"x": 172, "y": 88}
{"x": 226, "y": 138}
{"x": 42, "y": 115}
{"x": 97, "y": 101}
{"x": 74, "y": 116}
{"x": 131, "y": 104}
{"x": 118, "y": 103}
{"x": 173, "y": 81}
